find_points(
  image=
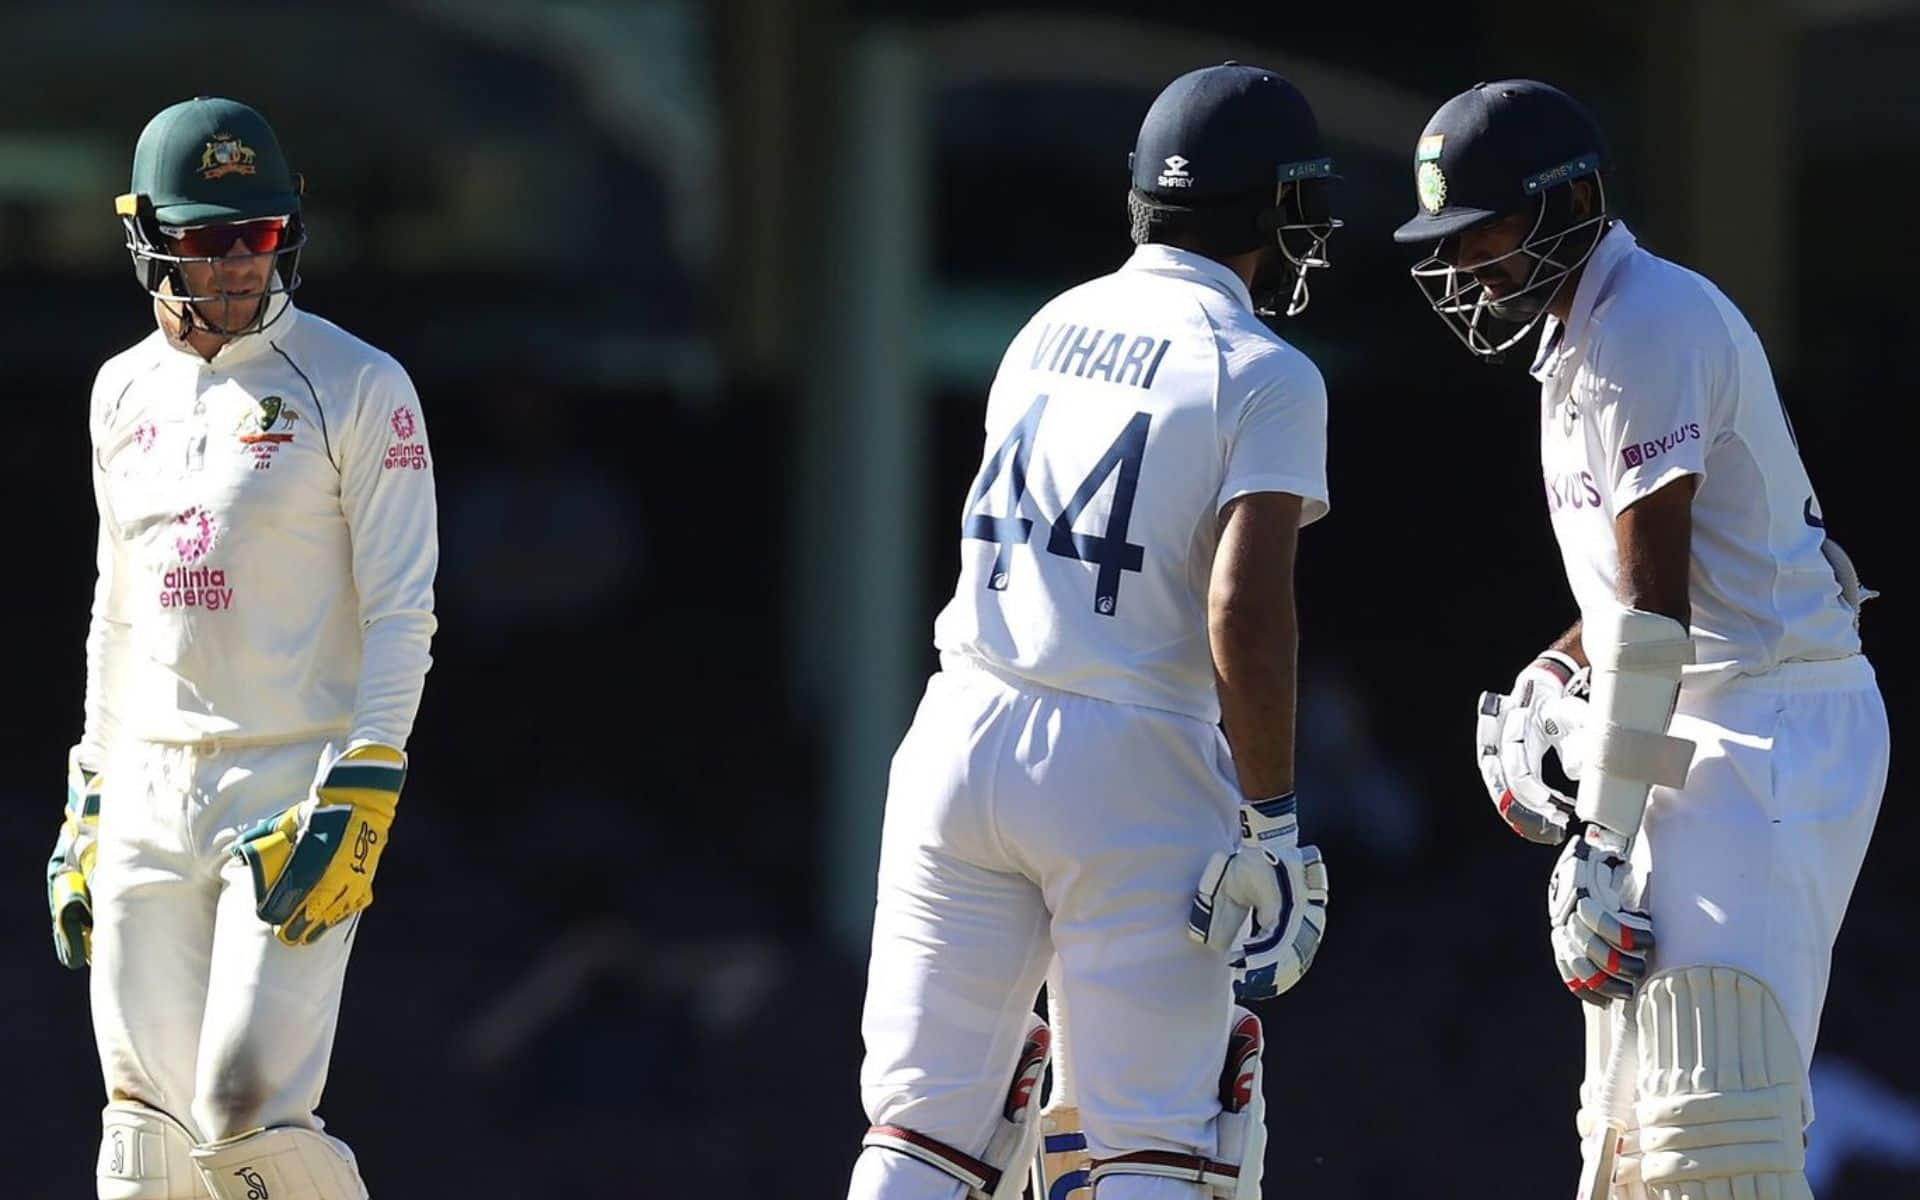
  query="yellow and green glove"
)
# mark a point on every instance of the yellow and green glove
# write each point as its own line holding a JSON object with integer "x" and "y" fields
{"x": 313, "y": 864}
{"x": 70, "y": 870}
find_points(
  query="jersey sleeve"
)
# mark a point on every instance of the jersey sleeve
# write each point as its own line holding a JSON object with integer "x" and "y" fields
{"x": 1655, "y": 387}
{"x": 387, "y": 497}
{"x": 1277, "y": 442}
{"x": 107, "y": 632}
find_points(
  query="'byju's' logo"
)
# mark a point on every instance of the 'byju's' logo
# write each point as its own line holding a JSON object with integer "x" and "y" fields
{"x": 1639, "y": 452}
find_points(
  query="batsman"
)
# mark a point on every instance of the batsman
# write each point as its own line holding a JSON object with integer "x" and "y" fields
{"x": 255, "y": 656}
{"x": 1125, "y": 589}
{"x": 1727, "y": 734}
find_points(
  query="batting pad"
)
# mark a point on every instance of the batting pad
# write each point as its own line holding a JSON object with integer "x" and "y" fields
{"x": 144, "y": 1156}
{"x": 1719, "y": 1090}
{"x": 283, "y": 1162}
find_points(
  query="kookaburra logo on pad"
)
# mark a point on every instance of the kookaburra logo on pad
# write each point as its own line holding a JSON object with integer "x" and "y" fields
{"x": 1175, "y": 176}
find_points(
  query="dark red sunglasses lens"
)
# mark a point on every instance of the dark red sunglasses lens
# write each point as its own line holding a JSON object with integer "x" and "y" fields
{"x": 214, "y": 241}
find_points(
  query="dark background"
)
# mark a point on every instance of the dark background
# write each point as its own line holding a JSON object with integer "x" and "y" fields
{"x": 702, "y": 303}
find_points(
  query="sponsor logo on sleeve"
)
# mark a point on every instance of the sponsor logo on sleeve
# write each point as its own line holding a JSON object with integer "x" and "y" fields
{"x": 1636, "y": 453}
{"x": 403, "y": 453}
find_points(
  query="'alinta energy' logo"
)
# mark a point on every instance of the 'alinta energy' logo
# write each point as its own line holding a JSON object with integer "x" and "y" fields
{"x": 193, "y": 584}
{"x": 405, "y": 454}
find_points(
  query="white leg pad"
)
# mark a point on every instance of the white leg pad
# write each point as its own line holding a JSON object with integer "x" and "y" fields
{"x": 1000, "y": 1172}
{"x": 1719, "y": 1090}
{"x": 1240, "y": 1130}
{"x": 283, "y": 1162}
{"x": 144, "y": 1155}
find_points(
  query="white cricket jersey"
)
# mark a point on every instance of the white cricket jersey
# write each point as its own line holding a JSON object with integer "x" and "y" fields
{"x": 1656, "y": 376}
{"x": 1124, "y": 416}
{"x": 267, "y": 542}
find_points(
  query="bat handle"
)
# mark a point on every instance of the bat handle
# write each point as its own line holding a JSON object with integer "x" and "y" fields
{"x": 1062, "y": 1093}
{"x": 1597, "y": 1157}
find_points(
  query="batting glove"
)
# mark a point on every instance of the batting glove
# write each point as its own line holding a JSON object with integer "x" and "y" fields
{"x": 1264, "y": 904}
{"x": 313, "y": 864}
{"x": 70, "y": 869}
{"x": 1546, "y": 710}
{"x": 1601, "y": 938}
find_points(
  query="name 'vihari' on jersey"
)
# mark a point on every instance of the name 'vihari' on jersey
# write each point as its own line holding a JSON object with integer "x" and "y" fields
{"x": 1070, "y": 350}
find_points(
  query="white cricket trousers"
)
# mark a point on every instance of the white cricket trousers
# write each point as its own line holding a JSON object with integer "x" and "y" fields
{"x": 1023, "y": 822}
{"x": 198, "y": 1010}
{"x": 1752, "y": 865}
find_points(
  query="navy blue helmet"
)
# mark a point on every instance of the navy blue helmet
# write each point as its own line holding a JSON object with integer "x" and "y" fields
{"x": 1493, "y": 151}
{"x": 1213, "y": 152}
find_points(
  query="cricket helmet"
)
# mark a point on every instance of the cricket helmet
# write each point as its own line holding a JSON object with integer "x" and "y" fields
{"x": 1497, "y": 149}
{"x": 1212, "y": 154}
{"x": 209, "y": 162}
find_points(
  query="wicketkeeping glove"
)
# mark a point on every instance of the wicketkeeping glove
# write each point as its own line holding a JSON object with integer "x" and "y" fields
{"x": 313, "y": 864}
{"x": 1278, "y": 885}
{"x": 70, "y": 870}
{"x": 1601, "y": 937}
{"x": 1545, "y": 710}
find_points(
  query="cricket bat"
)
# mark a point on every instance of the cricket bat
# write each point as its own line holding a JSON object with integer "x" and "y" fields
{"x": 1061, "y": 1165}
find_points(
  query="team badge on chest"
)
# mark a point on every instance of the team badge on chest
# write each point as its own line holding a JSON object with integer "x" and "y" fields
{"x": 264, "y": 431}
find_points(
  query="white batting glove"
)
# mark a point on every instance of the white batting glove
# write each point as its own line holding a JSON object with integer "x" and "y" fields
{"x": 1547, "y": 709}
{"x": 1265, "y": 904}
{"x": 1601, "y": 936}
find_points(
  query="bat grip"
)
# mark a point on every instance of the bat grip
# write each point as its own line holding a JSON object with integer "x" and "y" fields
{"x": 1062, "y": 1092}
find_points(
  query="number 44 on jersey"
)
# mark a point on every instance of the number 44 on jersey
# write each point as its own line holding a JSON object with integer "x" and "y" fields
{"x": 1108, "y": 550}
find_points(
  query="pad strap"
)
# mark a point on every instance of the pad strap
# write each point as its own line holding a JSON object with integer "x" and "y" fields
{"x": 1642, "y": 756}
{"x": 1190, "y": 1168}
{"x": 982, "y": 1179}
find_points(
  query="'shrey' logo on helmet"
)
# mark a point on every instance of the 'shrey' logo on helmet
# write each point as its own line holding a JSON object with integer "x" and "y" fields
{"x": 226, "y": 155}
{"x": 1175, "y": 176}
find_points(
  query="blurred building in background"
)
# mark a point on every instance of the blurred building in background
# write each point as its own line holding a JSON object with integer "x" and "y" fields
{"x": 702, "y": 301}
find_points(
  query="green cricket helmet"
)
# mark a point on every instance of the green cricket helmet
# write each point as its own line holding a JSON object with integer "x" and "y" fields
{"x": 209, "y": 165}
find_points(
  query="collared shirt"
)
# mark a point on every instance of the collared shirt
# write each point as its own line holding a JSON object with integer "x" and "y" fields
{"x": 1126, "y": 414}
{"x": 1656, "y": 376}
{"x": 267, "y": 542}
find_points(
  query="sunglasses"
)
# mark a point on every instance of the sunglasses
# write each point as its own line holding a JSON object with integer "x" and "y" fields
{"x": 214, "y": 241}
